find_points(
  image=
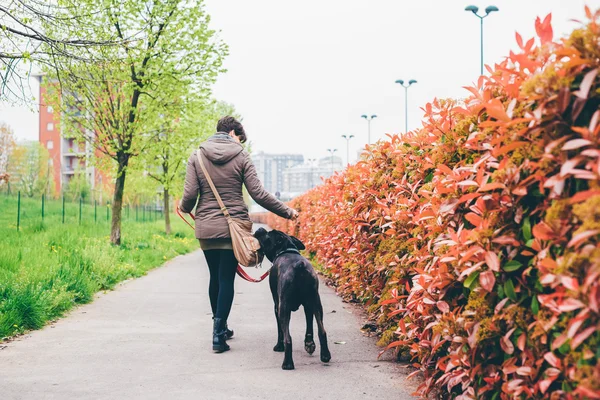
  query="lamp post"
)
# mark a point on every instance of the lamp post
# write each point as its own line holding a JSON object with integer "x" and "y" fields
{"x": 410, "y": 83}
{"x": 331, "y": 151}
{"x": 369, "y": 119}
{"x": 347, "y": 137}
{"x": 488, "y": 10}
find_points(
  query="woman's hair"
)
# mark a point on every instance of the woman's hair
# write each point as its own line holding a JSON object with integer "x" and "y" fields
{"x": 228, "y": 124}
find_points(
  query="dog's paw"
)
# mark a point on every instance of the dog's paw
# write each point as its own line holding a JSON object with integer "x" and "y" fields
{"x": 278, "y": 347}
{"x": 287, "y": 366}
{"x": 310, "y": 347}
{"x": 325, "y": 357}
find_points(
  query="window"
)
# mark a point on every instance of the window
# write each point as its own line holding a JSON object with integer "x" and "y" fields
{"x": 49, "y": 144}
{"x": 50, "y": 109}
{"x": 50, "y": 126}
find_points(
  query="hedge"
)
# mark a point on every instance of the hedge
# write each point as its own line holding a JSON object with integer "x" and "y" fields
{"x": 474, "y": 240}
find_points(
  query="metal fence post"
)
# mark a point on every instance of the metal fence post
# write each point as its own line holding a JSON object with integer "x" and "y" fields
{"x": 107, "y": 207}
{"x": 80, "y": 201}
{"x": 19, "y": 211}
{"x": 63, "y": 209}
{"x": 43, "y": 197}
{"x": 95, "y": 211}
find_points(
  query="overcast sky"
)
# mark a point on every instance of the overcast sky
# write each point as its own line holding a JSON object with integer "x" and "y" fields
{"x": 302, "y": 73}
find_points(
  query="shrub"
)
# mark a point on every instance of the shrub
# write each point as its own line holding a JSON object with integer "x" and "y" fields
{"x": 476, "y": 237}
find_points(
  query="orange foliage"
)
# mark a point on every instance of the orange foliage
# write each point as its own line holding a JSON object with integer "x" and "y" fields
{"x": 476, "y": 238}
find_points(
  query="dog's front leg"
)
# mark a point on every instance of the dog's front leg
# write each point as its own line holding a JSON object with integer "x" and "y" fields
{"x": 284, "y": 319}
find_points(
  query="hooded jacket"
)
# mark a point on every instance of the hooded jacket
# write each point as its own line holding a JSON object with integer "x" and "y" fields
{"x": 230, "y": 167}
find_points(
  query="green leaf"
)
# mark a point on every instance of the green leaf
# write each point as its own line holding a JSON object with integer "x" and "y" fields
{"x": 535, "y": 305}
{"x": 509, "y": 289}
{"x": 512, "y": 265}
{"x": 471, "y": 279}
{"x": 496, "y": 396}
{"x": 527, "y": 229}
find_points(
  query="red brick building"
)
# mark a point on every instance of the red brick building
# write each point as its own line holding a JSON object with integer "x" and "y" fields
{"x": 66, "y": 155}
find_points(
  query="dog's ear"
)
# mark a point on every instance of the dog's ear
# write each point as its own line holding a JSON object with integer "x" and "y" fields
{"x": 298, "y": 243}
{"x": 260, "y": 232}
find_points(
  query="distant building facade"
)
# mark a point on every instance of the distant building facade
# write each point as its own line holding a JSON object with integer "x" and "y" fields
{"x": 270, "y": 168}
{"x": 301, "y": 178}
{"x": 67, "y": 156}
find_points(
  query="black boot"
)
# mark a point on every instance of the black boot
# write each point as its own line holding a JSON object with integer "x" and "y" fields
{"x": 219, "y": 336}
{"x": 228, "y": 332}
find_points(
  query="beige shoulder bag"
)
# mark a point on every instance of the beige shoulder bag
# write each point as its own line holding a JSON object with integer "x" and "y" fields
{"x": 245, "y": 245}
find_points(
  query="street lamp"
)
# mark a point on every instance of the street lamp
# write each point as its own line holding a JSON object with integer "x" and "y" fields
{"x": 331, "y": 151}
{"x": 488, "y": 10}
{"x": 410, "y": 83}
{"x": 347, "y": 147}
{"x": 369, "y": 119}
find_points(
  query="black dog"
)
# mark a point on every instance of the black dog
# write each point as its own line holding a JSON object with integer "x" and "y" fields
{"x": 293, "y": 282}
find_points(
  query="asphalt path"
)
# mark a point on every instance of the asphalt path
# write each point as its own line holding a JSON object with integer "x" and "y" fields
{"x": 150, "y": 338}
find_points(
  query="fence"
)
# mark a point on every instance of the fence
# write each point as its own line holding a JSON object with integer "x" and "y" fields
{"x": 23, "y": 211}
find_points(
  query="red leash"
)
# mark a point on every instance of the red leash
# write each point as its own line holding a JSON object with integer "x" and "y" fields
{"x": 240, "y": 270}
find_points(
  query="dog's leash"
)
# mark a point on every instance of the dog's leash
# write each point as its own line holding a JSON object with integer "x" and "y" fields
{"x": 240, "y": 270}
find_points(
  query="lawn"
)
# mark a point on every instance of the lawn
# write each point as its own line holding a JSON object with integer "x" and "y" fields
{"x": 48, "y": 267}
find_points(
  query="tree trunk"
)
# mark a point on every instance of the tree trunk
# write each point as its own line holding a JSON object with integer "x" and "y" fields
{"x": 167, "y": 211}
{"x": 115, "y": 228}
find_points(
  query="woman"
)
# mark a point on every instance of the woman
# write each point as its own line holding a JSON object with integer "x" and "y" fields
{"x": 229, "y": 166}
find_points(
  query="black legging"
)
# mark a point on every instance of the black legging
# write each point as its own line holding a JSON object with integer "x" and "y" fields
{"x": 222, "y": 266}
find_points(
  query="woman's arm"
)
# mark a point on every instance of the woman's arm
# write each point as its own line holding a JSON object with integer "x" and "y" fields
{"x": 260, "y": 195}
{"x": 191, "y": 188}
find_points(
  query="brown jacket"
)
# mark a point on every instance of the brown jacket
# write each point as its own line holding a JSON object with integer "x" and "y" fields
{"x": 229, "y": 166}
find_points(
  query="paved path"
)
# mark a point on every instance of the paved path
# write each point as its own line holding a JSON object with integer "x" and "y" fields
{"x": 151, "y": 339}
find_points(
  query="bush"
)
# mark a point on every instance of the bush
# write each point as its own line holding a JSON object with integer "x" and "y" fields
{"x": 475, "y": 239}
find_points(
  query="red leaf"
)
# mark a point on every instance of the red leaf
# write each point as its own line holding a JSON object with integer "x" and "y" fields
{"x": 581, "y": 237}
{"x": 570, "y": 305}
{"x": 473, "y": 218}
{"x": 491, "y": 186}
{"x": 582, "y": 196}
{"x": 587, "y": 393}
{"x": 544, "y": 29}
{"x": 487, "y": 280}
{"x": 492, "y": 261}
{"x": 519, "y": 39}
{"x": 552, "y": 359}
{"x": 543, "y": 232}
{"x": 495, "y": 109}
{"x": 576, "y": 144}
{"x": 586, "y": 84}
{"x": 443, "y": 306}
{"x": 577, "y": 340}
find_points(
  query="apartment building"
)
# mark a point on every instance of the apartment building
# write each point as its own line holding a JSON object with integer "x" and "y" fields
{"x": 67, "y": 156}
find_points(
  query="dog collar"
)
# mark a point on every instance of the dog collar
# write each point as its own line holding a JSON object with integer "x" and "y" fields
{"x": 288, "y": 250}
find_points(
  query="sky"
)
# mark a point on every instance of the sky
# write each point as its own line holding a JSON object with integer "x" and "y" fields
{"x": 302, "y": 73}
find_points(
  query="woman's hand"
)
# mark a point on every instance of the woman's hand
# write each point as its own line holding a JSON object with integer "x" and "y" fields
{"x": 295, "y": 214}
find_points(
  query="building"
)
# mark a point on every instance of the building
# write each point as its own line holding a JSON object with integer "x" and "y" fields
{"x": 270, "y": 168}
{"x": 67, "y": 156}
{"x": 301, "y": 178}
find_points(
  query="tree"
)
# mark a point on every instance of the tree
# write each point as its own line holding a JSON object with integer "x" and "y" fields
{"x": 184, "y": 129}
{"x": 78, "y": 187}
{"x": 24, "y": 39}
{"x": 116, "y": 103}
{"x": 7, "y": 144}
{"x": 30, "y": 169}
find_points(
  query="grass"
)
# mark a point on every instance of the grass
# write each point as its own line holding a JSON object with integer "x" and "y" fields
{"x": 49, "y": 267}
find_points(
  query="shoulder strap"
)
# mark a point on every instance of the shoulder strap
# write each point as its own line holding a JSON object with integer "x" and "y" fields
{"x": 212, "y": 186}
